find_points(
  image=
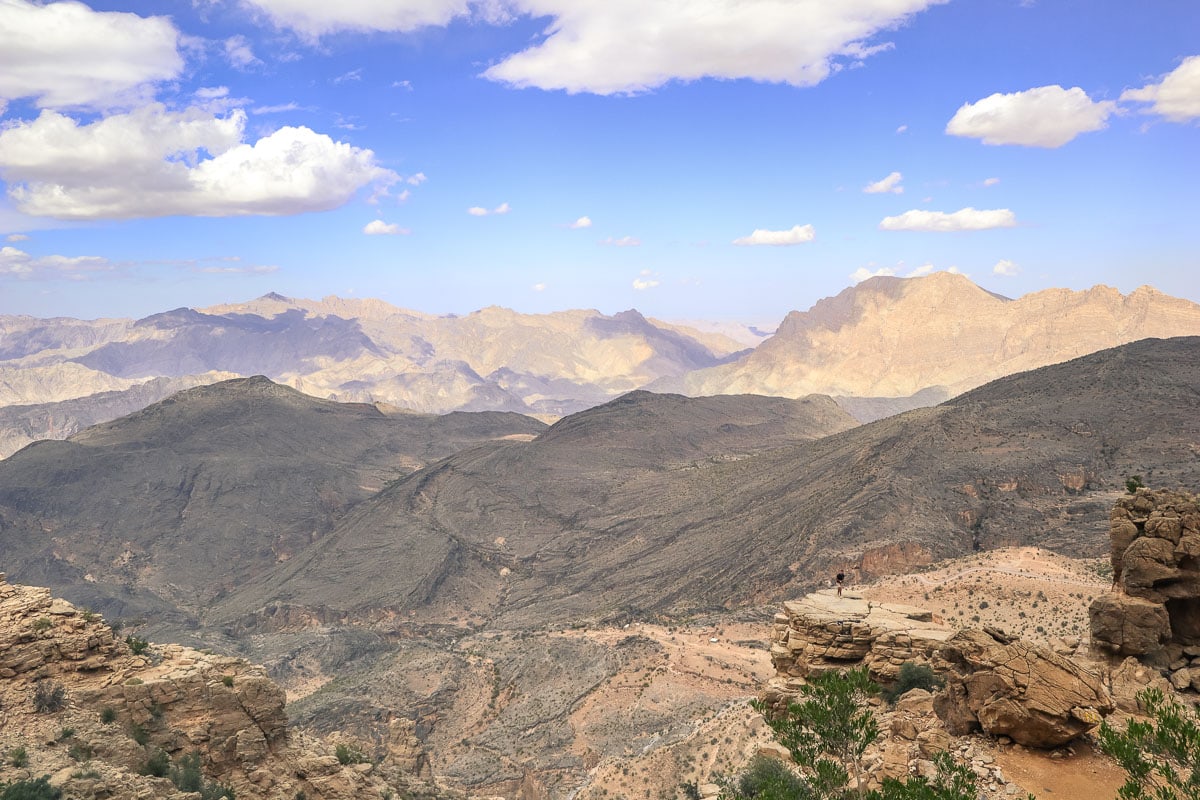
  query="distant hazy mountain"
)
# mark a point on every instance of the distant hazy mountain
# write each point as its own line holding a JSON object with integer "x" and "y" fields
{"x": 884, "y": 346}
{"x": 939, "y": 335}
{"x": 355, "y": 350}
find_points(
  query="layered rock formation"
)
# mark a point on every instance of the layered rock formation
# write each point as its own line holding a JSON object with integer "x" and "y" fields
{"x": 102, "y": 720}
{"x": 992, "y": 682}
{"x": 1155, "y": 612}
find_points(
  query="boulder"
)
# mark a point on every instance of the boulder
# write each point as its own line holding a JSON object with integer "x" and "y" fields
{"x": 1128, "y": 626}
{"x": 1016, "y": 689}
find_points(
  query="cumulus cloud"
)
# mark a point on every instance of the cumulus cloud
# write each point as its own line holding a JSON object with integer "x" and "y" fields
{"x": 18, "y": 264}
{"x": 378, "y": 227}
{"x": 624, "y": 241}
{"x": 152, "y": 162}
{"x": 798, "y": 234}
{"x": 1006, "y": 268}
{"x": 622, "y": 46}
{"x": 921, "y": 271}
{"x": 480, "y": 211}
{"x": 645, "y": 280}
{"x": 888, "y": 185}
{"x": 966, "y": 219}
{"x": 1048, "y": 116}
{"x": 902, "y": 129}
{"x": 582, "y": 222}
{"x": 1176, "y": 97}
{"x": 67, "y": 55}
{"x": 419, "y": 178}
{"x": 990, "y": 181}
{"x": 862, "y": 273}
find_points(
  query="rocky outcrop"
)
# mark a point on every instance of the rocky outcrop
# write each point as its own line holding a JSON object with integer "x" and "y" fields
{"x": 1155, "y": 537}
{"x": 1010, "y": 687}
{"x": 94, "y": 714}
{"x": 1004, "y": 686}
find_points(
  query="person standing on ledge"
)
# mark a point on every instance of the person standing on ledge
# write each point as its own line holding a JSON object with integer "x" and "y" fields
{"x": 841, "y": 580}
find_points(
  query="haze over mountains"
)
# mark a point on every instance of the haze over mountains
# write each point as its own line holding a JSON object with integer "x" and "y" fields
{"x": 883, "y": 346}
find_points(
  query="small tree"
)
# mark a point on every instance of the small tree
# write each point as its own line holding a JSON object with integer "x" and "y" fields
{"x": 827, "y": 733}
{"x": 1133, "y": 483}
{"x": 1161, "y": 757}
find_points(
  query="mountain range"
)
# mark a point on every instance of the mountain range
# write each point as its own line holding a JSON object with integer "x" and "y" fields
{"x": 883, "y": 346}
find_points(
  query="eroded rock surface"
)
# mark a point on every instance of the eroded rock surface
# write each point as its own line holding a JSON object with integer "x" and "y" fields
{"x": 91, "y": 714}
{"x": 1002, "y": 685}
{"x": 1155, "y": 612}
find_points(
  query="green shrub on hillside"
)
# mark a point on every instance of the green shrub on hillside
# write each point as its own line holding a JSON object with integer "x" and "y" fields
{"x": 912, "y": 676}
{"x": 39, "y": 789}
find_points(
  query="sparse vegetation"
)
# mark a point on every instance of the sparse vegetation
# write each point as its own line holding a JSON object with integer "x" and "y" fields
{"x": 157, "y": 765}
{"x": 1133, "y": 483}
{"x": 81, "y": 751}
{"x": 139, "y": 734}
{"x": 39, "y": 789}
{"x": 227, "y": 680}
{"x": 827, "y": 734}
{"x": 349, "y": 754}
{"x": 912, "y": 676}
{"x": 108, "y": 715}
{"x": 49, "y": 697}
{"x": 1161, "y": 757}
{"x": 137, "y": 646}
{"x": 188, "y": 777}
{"x": 42, "y": 624}
{"x": 17, "y": 757}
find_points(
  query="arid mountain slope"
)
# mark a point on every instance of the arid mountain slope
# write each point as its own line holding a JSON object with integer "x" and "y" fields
{"x": 895, "y": 337}
{"x": 184, "y": 500}
{"x": 578, "y": 524}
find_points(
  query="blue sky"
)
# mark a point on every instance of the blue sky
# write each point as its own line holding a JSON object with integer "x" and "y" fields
{"x": 707, "y": 159}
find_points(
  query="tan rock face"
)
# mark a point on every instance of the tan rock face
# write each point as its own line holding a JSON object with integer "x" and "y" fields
{"x": 993, "y": 682}
{"x": 1155, "y": 538}
{"x": 1016, "y": 689}
{"x": 115, "y": 710}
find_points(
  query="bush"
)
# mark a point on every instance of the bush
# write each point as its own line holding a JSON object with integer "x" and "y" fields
{"x": 913, "y": 676}
{"x": 65, "y": 733}
{"x": 349, "y": 754}
{"x": 139, "y": 734}
{"x": 18, "y": 757}
{"x": 108, "y": 715}
{"x": 1161, "y": 757}
{"x": 1134, "y": 483}
{"x": 767, "y": 778}
{"x": 30, "y": 790}
{"x": 81, "y": 751}
{"x": 48, "y": 697}
{"x": 158, "y": 765}
{"x": 227, "y": 680}
{"x": 136, "y": 646}
{"x": 42, "y": 624}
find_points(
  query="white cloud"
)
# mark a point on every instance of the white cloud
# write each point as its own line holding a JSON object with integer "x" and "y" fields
{"x": 539, "y": 287}
{"x": 239, "y": 54}
{"x": 152, "y": 162}
{"x": 582, "y": 222}
{"x": 862, "y": 273}
{"x": 67, "y": 55}
{"x": 264, "y": 269}
{"x": 480, "y": 211}
{"x": 284, "y": 107}
{"x": 621, "y": 46}
{"x": 966, "y": 219}
{"x": 624, "y": 241}
{"x": 902, "y": 129}
{"x": 990, "y": 181}
{"x": 19, "y": 264}
{"x": 921, "y": 271}
{"x": 211, "y": 92}
{"x": 798, "y": 234}
{"x": 890, "y": 184}
{"x": 378, "y": 227}
{"x": 314, "y": 18}
{"x": 418, "y": 179}
{"x": 16, "y": 237}
{"x": 645, "y": 280}
{"x": 1006, "y": 268}
{"x": 1176, "y": 97}
{"x": 1048, "y": 116}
